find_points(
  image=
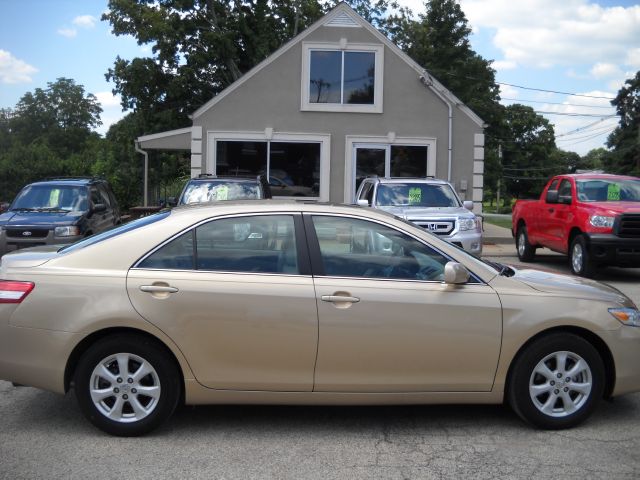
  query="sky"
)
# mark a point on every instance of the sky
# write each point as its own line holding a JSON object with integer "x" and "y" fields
{"x": 582, "y": 47}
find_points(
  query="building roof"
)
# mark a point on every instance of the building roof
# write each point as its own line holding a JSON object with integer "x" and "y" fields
{"x": 343, "y": 14}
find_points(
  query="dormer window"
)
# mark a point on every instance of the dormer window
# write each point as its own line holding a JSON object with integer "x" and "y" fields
{"x": 342, "y": 77}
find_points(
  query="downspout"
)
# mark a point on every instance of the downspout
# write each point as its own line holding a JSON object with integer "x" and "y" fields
{"x": 427, "y": 82}
{"x": 146, "y": 171}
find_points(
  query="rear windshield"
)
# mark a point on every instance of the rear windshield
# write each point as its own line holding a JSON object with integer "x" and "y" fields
{"x": 66, "y": 198}
{"x": 220, "y": 190}
{"x": 114, "y": 232}
{"x": 600, "y": 190}
{"x": 416, "y": 195}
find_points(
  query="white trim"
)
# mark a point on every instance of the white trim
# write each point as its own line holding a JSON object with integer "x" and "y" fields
{"x": 378, "y": 87}
{"x": 339, "y": 9}
{"x": 478, "y": 167}
{"x": 478, "y": 139}
{"x": 478, "y": 181}
{"x": 478, "y": 153}
{"x": 477, "y": 194}
{"x": 170, "y": 133}
{"x": 323, "y": 139}
{"x": 352, "y": 141}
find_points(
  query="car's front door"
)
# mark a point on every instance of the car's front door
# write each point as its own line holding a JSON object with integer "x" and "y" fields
{"x": 387, "y": 322}
{"x": 237, "y": 297}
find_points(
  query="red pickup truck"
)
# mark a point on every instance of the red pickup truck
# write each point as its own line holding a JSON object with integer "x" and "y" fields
{"x": 594, "y": 218}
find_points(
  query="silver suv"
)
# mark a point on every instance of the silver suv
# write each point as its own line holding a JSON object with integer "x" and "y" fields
{"x": 429, "y": 203}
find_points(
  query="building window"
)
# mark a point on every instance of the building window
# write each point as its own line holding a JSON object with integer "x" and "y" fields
{"x": 292, "y": 168}
{"x": 344, "y": 79}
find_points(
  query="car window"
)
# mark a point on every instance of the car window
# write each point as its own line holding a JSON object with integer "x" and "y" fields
{"x": 220, "y": 190}
{"x": 364, "y": 193}
{"x": 104, "y": 195}
{"x": 51, "y": 197}
{"x": 96, "y": 198}
{"x": 260, "y": 244}
{"x": 359, "y": 248}
{"x": 416, "y": 195}
{"x": 565, "y": 188}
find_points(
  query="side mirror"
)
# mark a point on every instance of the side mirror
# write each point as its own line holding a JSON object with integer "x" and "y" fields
{"x": 362, "y": 202}
{"x": 99, "y": 207}
{"x": 552, "y": 196}
{"x": 455, "y": 273}
{"x": 172, "y": 201}
{"x": 468, "y": 204}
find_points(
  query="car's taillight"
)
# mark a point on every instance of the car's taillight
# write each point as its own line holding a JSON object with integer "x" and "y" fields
{"x": 14, "y": 292}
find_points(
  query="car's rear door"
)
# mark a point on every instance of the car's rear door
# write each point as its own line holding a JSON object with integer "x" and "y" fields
{"x": 387, "y": 322}
{"x": 237, "y": 297}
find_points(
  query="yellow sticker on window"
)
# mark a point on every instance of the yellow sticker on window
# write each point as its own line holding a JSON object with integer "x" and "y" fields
{"x": 54, "y": 196}
{"x": 222, "y": 192}
{"x": 415, "y": 195}
{"x": 613, "y": 192}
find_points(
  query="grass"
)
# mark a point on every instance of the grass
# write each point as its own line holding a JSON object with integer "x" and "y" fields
{"x": 499, "y": 221}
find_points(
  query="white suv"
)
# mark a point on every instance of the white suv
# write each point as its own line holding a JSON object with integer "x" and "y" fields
{"x": 429, "y": 203}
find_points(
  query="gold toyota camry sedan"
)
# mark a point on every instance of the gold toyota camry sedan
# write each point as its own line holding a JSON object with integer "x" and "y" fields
{"x": 303, "y": 303}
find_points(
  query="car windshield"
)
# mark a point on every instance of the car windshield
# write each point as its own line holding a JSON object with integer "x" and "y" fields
{"x": 220, "y": 190}
{"x": 114, "y": 232}
{"x": 416, "y": 195}
{"x": 52, "y": 198}
{"x": 614, "y": 190}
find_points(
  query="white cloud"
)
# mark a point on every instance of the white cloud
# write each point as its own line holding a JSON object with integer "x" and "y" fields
{"x": 13, "y": 70}
{"x": 504, "y": 65}
{"x": 108, "y": 99}
{"x": 85, "y": 21}
{"x": 606, "y": 70}
{"x": 633, "y": 58}
{"x": 507, "y": 91}
{"x": 67, "y": 32}
{"x": 544, "y": 33}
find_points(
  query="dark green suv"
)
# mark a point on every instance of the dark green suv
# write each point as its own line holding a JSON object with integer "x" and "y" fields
{"x": 58, "y": 211}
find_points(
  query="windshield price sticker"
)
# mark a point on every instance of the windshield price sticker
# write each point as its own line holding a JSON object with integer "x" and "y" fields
{"x": 222, "y": 192}
{"x": 613, "y": 192}
{"x": 415, "y": 195}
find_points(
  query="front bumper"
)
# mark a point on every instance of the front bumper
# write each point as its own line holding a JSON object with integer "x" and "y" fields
{"x": 609, "y": 249}
{"x": 624, "y": 344}
{"x": 470, "y": 240}
{"x": 9, "y": 244}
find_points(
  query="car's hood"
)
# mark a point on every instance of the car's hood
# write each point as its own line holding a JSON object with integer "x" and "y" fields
{"x": 569, "y": 286}
{"x": 428, "y": 212}
{"x": 612, "y": 208}
{"x": 28, "y": 257}
{"x": 38, "y": 219}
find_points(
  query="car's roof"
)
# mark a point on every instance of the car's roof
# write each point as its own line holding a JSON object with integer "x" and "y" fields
{"x": 599, "y": 176}
{"x": 224, "y": 179}
{"x": 76, "y": 181}
{"x": 436, "y": 181}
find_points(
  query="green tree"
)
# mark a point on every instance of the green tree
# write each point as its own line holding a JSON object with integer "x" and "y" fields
{"x": 62, "y": 115}
{"x": 529, "y": 153}
{"x": 625, "y": 139}
{"x": 594, "y": 159}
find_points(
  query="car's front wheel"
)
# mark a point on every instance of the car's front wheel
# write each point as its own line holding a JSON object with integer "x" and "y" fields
{"x": 127, "y": 385}
{"x": 557, "y": 381}
{"x": 580, "y": 258}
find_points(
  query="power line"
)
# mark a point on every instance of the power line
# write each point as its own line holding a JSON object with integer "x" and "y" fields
{"x": 586, "y": 139}
{"x": 555, "y": 91}
{"x": 606, "y": 129}
{"x": 555, "y": 103}
{"x": 584, "y": 127}
{"x": 569, "y": 114}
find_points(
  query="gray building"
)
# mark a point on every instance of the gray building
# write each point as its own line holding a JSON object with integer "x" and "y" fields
{"x": 337, "y": 103}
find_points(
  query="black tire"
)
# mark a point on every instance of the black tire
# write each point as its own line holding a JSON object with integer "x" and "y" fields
{"x": 526, "y": 251}
{"x": 553, "y": 391}
{"x": 580, "y": 258}
{"x": 121, "y": 395}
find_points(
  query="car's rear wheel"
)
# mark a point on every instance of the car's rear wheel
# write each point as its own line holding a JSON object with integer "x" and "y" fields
{"x": 127, "y": 385}
{"x": 557, "y": 381}
{"x": 526, "y": 251}
{"x": 580, "y": 259}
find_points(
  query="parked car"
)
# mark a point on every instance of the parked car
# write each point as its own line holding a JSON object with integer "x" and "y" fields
{"x": 58, "y": 211}
{"x": 429, "y": 203}
{"x": 211, "y": 188}
{"x": 299, "y": 303}
{"x": 593, "y": 218}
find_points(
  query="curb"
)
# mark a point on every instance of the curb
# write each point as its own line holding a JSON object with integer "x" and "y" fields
{"x": 497, "y": 240}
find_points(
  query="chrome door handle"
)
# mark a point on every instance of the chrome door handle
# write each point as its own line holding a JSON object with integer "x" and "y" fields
{"x": 158, "y": 289}
{"x": 339, "y": 299}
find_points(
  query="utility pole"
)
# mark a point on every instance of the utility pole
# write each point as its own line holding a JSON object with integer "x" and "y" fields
{"x": 499, "y": 178}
